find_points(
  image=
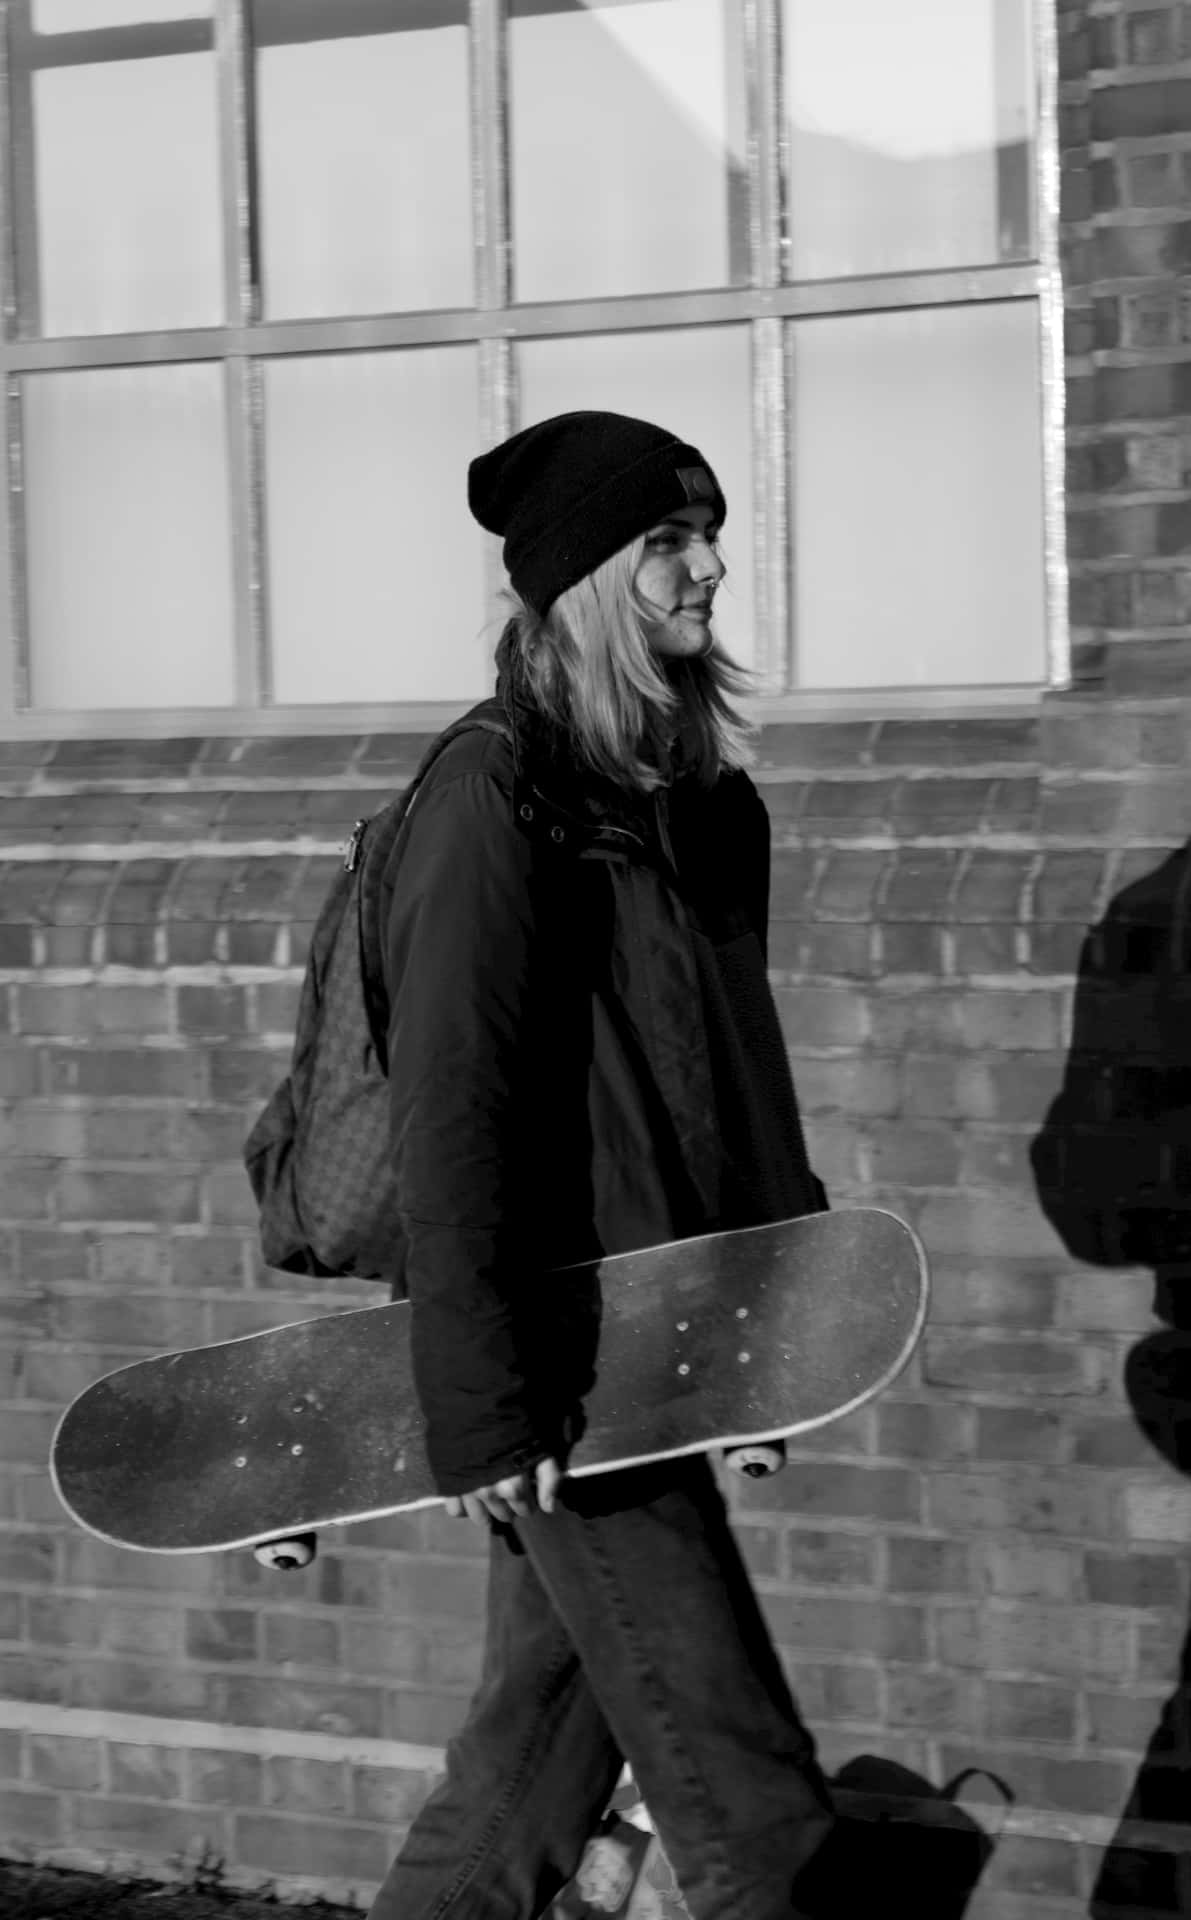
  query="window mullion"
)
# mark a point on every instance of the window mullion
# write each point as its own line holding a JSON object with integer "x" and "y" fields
{"x": 491, "y": 218}
{"x": 767, "y": 230}
{"x": 1051, "y": 343}
{"x": 242, "y": 395}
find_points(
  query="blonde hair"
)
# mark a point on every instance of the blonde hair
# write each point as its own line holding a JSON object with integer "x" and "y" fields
{"x": 588, "y": 664}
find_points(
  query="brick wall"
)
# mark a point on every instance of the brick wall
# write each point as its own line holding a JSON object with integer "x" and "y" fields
{"x": 990, "y": 1565}
{"x": 1125, "y": 124}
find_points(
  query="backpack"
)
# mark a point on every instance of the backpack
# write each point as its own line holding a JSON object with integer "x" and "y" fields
{"x": 318, "y": 1157}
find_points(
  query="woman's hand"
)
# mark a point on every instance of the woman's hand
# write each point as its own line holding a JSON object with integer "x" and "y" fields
{"x": 511, "y": 1498}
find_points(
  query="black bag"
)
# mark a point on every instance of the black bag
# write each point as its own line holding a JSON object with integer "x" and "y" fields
{"x": 904, "y": 1845}
{"x": 318, "y": 1157}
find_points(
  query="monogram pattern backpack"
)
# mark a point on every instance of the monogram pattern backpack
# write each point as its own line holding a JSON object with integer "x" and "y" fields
{"x": 318, "y": 1156}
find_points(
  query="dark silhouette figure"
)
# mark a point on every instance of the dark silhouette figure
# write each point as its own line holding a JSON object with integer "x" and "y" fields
{"x": 1112, "y": 1165}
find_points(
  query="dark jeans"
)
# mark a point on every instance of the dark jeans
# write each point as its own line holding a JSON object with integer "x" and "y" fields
{"x": 627, "y": 1628}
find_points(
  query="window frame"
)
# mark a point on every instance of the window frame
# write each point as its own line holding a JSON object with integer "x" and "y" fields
{"x": 494, "y": 325}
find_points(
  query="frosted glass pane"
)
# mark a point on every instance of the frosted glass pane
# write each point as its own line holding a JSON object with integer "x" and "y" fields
{"x": 365, "y": 173}
{"x": 918, "y": 154}
{"x": 70, "y": 16}
{"x": 917, "y": 498}
{"x": 128, "y": 218}
{"x": 129, "y": 543}
{"x": 628, "y": 147}
{"x": 375, "y": 565}
{"x": 694, "y": 382}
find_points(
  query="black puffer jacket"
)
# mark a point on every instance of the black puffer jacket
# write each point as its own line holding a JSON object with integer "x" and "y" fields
{"x": 584, "y": 1058}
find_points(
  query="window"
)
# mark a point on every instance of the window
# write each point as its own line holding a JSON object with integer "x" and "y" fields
{"x": 276, "y": 270}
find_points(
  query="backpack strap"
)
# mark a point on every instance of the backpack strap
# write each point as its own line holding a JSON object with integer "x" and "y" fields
{"x": 369, "y": 848}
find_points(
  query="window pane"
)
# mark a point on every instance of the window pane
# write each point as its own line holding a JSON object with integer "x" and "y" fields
{"x": 128, "y": 538}
{"x": 917, "y": 498}
{"x": 628, "y": 146}
{"x": 365, "y": 170}
{"x": 127, "y": 186}
{"x": 376, "y": 586}
{"x": 696, "y": 383}
{"x": 919, "y": 154}
{"x": 71, "y": 16}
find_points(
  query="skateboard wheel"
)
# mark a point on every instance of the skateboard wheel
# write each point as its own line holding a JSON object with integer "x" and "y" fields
{"x": 756, "y": 1462}
{"x": 284, "y": 1556}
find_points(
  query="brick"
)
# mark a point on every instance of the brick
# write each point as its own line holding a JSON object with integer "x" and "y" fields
{"x": 91, "y": 1563}
{"x": 1156, "y": 1512}
{"x": 833, "y": 1693}
{"x": 306, "y": 1705}
{"x": 815, "y": 1559}
{"x": 132, "y": 1686}
{"x": 112, "y": 1072}
{"x": 318, "y": 1849}
{"x": 1051, "y": 1780}
{"x": 303, "y": 1641}
{"x": 1108, "y": 1302}
{"x": 911, "y": 1156}
{"x": 1150, "y": 37}
{"x": 971, "y": 1223}
{"x": 148, "y": 1831}
{"x": 306, "y": 1786}
{"x": 794, "y": 745}
{"x": 857, "y": 1087}
{"x": 36, "y": 1818}
{"x": 1065, "y": 1502}
{"x": 208, "y": 1260}
{"x": 911, "y": 949}
{"x": 1020, "y": 1433}
{"x": 26, "y": 1189}
{"x": 26, "y": 1677}
{"x": 821, "y": 1488}
{"x": 931, "y": 1700}
{"x": 916, "y": 1564}
{"x": 1136, "y": 1580}
{"x": 390, "y": 1795}
{"x": 992, "y": 886}
{"x": 986, "y": 1363}
{"x": 1052, "y": 1642}
{"x": 105, "y": 1194}
{"x": 73, "y": 1765}
{"x": 934, "y": 1430}
{"x": 395, "y": 1651}
{"x": 221, "y": 1633}
{"x": 946, "y": 743}
{"x": 920, "y": 884}
{"x": 892, "y": 1630}
{"x": 814, "y": 1016}
{"x": 423, "y": 1589}
{"x": 428, "y": 1719}
{"x": 1121, "y": 1720}
{"x": 1030, "y": 1710}
{"x": 988, "y": 1159}
{"x": 153, "y": 1773}
{"x": 212, "y": 1011}
{"x": 246, "y": 1074}
{"x": 25, "y": 1434}
{"x": 761, "y": 1548}
{"x": 845, "y": 808}
{"x": 1028, "y": 1570}
{"x": 224, "y": 1779}
{"x": 136, "y": 1323}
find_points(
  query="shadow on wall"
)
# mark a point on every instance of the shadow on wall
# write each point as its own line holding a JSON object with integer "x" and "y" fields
{"x": 1112, "y": 1165}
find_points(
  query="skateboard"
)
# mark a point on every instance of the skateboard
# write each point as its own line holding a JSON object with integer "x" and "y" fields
{"x": 728, "y": 1341}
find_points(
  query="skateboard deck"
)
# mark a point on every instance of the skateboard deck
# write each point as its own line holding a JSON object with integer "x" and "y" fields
{"x": 728, "y": 1340}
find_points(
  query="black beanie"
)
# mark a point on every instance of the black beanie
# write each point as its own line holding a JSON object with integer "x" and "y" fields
{"x": 572, "y": 491}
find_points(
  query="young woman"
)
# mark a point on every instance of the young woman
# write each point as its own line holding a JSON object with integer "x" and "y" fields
{"x": 585, "y": 1058}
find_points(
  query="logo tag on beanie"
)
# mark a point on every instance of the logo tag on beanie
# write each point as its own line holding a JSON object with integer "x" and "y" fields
{"x": 696, "y": 483}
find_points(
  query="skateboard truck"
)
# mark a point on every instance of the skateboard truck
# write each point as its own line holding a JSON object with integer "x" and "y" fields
{"x": 287, "y": 1555}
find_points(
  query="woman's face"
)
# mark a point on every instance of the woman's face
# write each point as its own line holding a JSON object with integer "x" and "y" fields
{"x": 677, "y": 578}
